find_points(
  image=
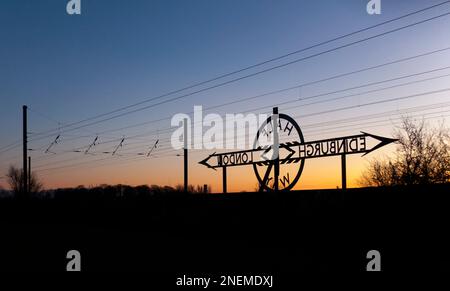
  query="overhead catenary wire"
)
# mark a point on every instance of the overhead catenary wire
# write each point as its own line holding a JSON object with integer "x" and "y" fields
{"x": 136, "y": 159}
{"x": 295, "y": 100}
{"x": 152, "y": 148}
{"x": 339, "y": 91}
{"x": 365, "y": 117}
{"x": 265, "y": 62}
{"x": 342, "y": 90}
{"x": 94, "y": 143}
{"x": 38, "y": 166}
{"x": 96, "y": 161}
{"x": 16, "y": 144}
{"x": 244, "y": 99}
{"x": 377, "y": 102}
{"x": 58, "y": 168}
{"x": 259, "y": 72}
{"x": 52, "y": 144}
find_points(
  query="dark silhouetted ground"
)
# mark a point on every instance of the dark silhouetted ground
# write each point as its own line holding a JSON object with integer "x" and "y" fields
{"x": 248, "y": 233}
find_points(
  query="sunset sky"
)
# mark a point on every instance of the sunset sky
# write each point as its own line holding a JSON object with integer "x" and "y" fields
{"x": 76, "y": 69}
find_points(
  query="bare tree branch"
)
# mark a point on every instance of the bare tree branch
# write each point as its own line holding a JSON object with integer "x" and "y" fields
{"x": 422, "y": 157}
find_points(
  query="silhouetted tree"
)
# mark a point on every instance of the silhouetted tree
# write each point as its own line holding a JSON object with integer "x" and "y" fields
{"x": 422, "y": 157}
{"x": 15, "y": 180}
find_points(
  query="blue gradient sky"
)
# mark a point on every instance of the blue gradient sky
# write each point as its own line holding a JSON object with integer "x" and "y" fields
{"x": 67, "y": 68}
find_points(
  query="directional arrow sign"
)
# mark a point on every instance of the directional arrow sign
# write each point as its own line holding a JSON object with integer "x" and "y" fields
{"x": 294, "y": 152}
{"x": 245, "y": 157}
{"x": 275, "y": 159}
{"x": 353, "y": 144}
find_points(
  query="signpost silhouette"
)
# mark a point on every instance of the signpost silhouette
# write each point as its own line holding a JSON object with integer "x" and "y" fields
{"x": 292, "y": 152}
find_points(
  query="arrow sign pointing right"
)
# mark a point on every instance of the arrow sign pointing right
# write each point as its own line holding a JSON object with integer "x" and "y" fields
{"x": 383, "y": 141}
{"x": 353, "y": 144}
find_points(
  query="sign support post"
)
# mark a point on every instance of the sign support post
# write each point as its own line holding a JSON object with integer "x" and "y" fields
{"x": 185, "y": 155}
{"x": 29, "y": 173}
{"x": 25, "y": 152}
{"x": 224, "y": 179}
{"x": 344, "y": 171}
{"x": 276, "y": 148}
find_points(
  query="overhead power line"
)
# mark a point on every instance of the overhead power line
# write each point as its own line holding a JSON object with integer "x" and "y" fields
{"x": 315, "y": 96}
{"x": 136, "y": 159}
{"x": 12, "y": 146}
{"x": 52, "y": 144}
{"x": 374, "y": 102}
{"x": 252, "y": 74}
{"x": 241, "y": 99}
{"x": 295, "y": 100}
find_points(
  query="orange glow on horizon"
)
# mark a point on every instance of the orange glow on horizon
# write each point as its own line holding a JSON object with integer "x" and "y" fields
{"x": 322, "y": 173}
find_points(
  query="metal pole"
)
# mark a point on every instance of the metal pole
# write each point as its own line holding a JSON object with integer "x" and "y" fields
{"x": 276, "y": 150}
{"x": 25, "y": 150}
{"x": 185, "y": 155}
{"x": 344, "y": 171}
{"x": 224, "y": 179}
{"x": 29, "y": 174}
